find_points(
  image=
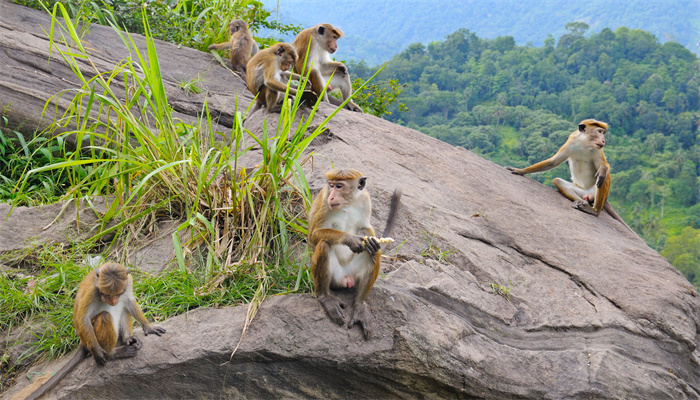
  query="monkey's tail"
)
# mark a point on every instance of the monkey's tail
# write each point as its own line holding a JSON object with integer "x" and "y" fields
{"x": 393, "y": 208}
{"x": 48, "y": 385}
{"x": 607, "y": 207}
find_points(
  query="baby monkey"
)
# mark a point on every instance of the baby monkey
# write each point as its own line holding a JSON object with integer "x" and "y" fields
{"x": 102, "y": 314}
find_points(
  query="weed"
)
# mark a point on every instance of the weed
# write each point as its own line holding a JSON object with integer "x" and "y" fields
{"x": 503, "y": 290}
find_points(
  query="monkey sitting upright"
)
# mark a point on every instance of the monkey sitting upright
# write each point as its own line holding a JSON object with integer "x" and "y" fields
{"x": 590, "y": 172}
{"x": 342, "y": 257}
{"x": 321, "y": 42}
{"x": 102, "y": 314}
{"x": 266, "y": 71}
{"x": 241, "y": 44}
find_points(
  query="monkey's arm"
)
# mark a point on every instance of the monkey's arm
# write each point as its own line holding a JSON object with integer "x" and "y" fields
{"x": 133, "y": 307}
{"x": 279, "y": 86}
{"x": 221, "y": 46}
{"x": 602, "y": 174}
{"x": 332, "y": 236}
{"x": 553, "y": 162}
{"x": 288, "y": 74}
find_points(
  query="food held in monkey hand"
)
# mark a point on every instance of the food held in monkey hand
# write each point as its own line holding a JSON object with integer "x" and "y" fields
{"x": 379, "y": 240}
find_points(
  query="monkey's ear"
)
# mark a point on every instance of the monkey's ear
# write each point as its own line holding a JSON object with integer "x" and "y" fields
{"x": 363, "y": 180}
{"x": 280, "y": 51}
{"x": 581, "y": 127}
{"x": 321, "y": 30}
{"x": 97, "y": 272}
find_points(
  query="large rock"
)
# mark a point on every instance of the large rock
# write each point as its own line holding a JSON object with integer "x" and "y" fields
{"x": 592, "y": 312}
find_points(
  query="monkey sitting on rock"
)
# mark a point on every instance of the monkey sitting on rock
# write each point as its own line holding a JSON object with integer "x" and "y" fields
{"x": 102, "y": 314}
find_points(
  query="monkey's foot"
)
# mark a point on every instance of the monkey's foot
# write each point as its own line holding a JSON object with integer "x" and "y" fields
{"x": 582, "y": 205}
{"x": 125, "y": 352}
{"x": 133, "y": 341}
{"x": 334, "y": 308}
{"x": 362, "y": 316}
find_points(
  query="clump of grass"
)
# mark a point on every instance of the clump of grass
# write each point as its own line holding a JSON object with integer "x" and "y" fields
{"x": 431, "y": 250}
{"x": 503, "y": 290}
{"x": 192, "y": 86}
{"x": 17, "y": 156}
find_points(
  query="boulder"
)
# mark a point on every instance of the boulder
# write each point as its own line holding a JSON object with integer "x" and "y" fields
{"x": 496, "y": 287}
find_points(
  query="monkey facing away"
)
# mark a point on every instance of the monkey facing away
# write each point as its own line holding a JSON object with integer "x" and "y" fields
{"x": 339, "y": 221}
{"x": 590, "y": 172}
{"x": 241, "y": 44}
{"x": 102, "y": 314}
{"x": 267, "y": 71}
{"x": 321, "y": 41}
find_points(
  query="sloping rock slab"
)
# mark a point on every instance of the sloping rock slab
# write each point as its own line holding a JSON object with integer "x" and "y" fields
{"x": 593, "y": 311}
{"x": 27, "y": 227}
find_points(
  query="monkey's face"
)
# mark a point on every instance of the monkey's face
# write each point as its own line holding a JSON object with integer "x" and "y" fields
{"x": 341, "y": 192}
{"x": 596, "y": 135}
{"x": 111, "y": 299}
{"x": 331, "y": 42}
{"x": 286, "y": 61}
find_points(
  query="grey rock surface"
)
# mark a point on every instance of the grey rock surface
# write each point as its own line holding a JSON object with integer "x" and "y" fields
{"x": 593, "y": 312}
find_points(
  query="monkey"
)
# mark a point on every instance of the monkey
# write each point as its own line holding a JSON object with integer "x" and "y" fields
{"x": 590, "y": 172}
{"x": 266, "y": 71}
{"x": 241, "y": 44}
{"x": 339, "y": 219}
{"x": 321, "y": 43}
{"x": 101, "y": 316}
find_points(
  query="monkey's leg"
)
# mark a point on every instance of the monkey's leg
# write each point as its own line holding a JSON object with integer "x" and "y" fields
{"x": 365, "y": 282}
{"x": 576, "y": 194}
{"x": 107, "y": 337}
{"x": 320, "y": 271}
{"x": 342, "y": 81}
{"x": 272, "y": 101}
{"x": 317, "y": 83}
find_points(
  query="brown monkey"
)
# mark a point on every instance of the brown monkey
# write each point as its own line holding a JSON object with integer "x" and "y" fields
{"x": 241, "y": 44}
{"x": 338, "y": 222}
{"x": 321, "y": 42}
{"x": 267, "y": 71}
{"x": 101, "y": 316}
{"x": 590, "y": 172}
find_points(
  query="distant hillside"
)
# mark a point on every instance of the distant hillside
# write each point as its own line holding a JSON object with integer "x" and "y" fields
{"x": 376, "y": 30}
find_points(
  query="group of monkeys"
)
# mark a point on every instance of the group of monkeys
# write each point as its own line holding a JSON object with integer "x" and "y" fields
{"x": 267, "y": 71}
{"x": 346, "y": 253}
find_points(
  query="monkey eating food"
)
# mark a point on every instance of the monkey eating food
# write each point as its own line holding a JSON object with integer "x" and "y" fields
{"x": 346, "y": 252}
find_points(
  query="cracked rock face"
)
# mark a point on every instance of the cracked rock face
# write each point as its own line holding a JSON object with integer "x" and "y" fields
{"x": 495, "y": 288}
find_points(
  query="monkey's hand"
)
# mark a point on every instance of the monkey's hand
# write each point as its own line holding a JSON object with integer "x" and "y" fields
{"x": 156, "y": 330}
{"x": 371, "y": 244}
{"x": 133, "y": 341}
{"x": 342, "y": 69}
{"x": 99, "y": 354}
{"x": 515, "y": 171}
{"x": 600, "y": 177}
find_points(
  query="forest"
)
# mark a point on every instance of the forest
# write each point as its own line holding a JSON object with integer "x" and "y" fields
{"x": 516, "y": 105}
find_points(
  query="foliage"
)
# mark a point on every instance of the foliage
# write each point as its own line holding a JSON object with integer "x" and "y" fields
{"x": 18, "y": 156}
{"x": 517, "y": 105}
{"x": 191, "y": 23}
{"x": 377, "y": 97}
{"x": 377, "y": 30}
